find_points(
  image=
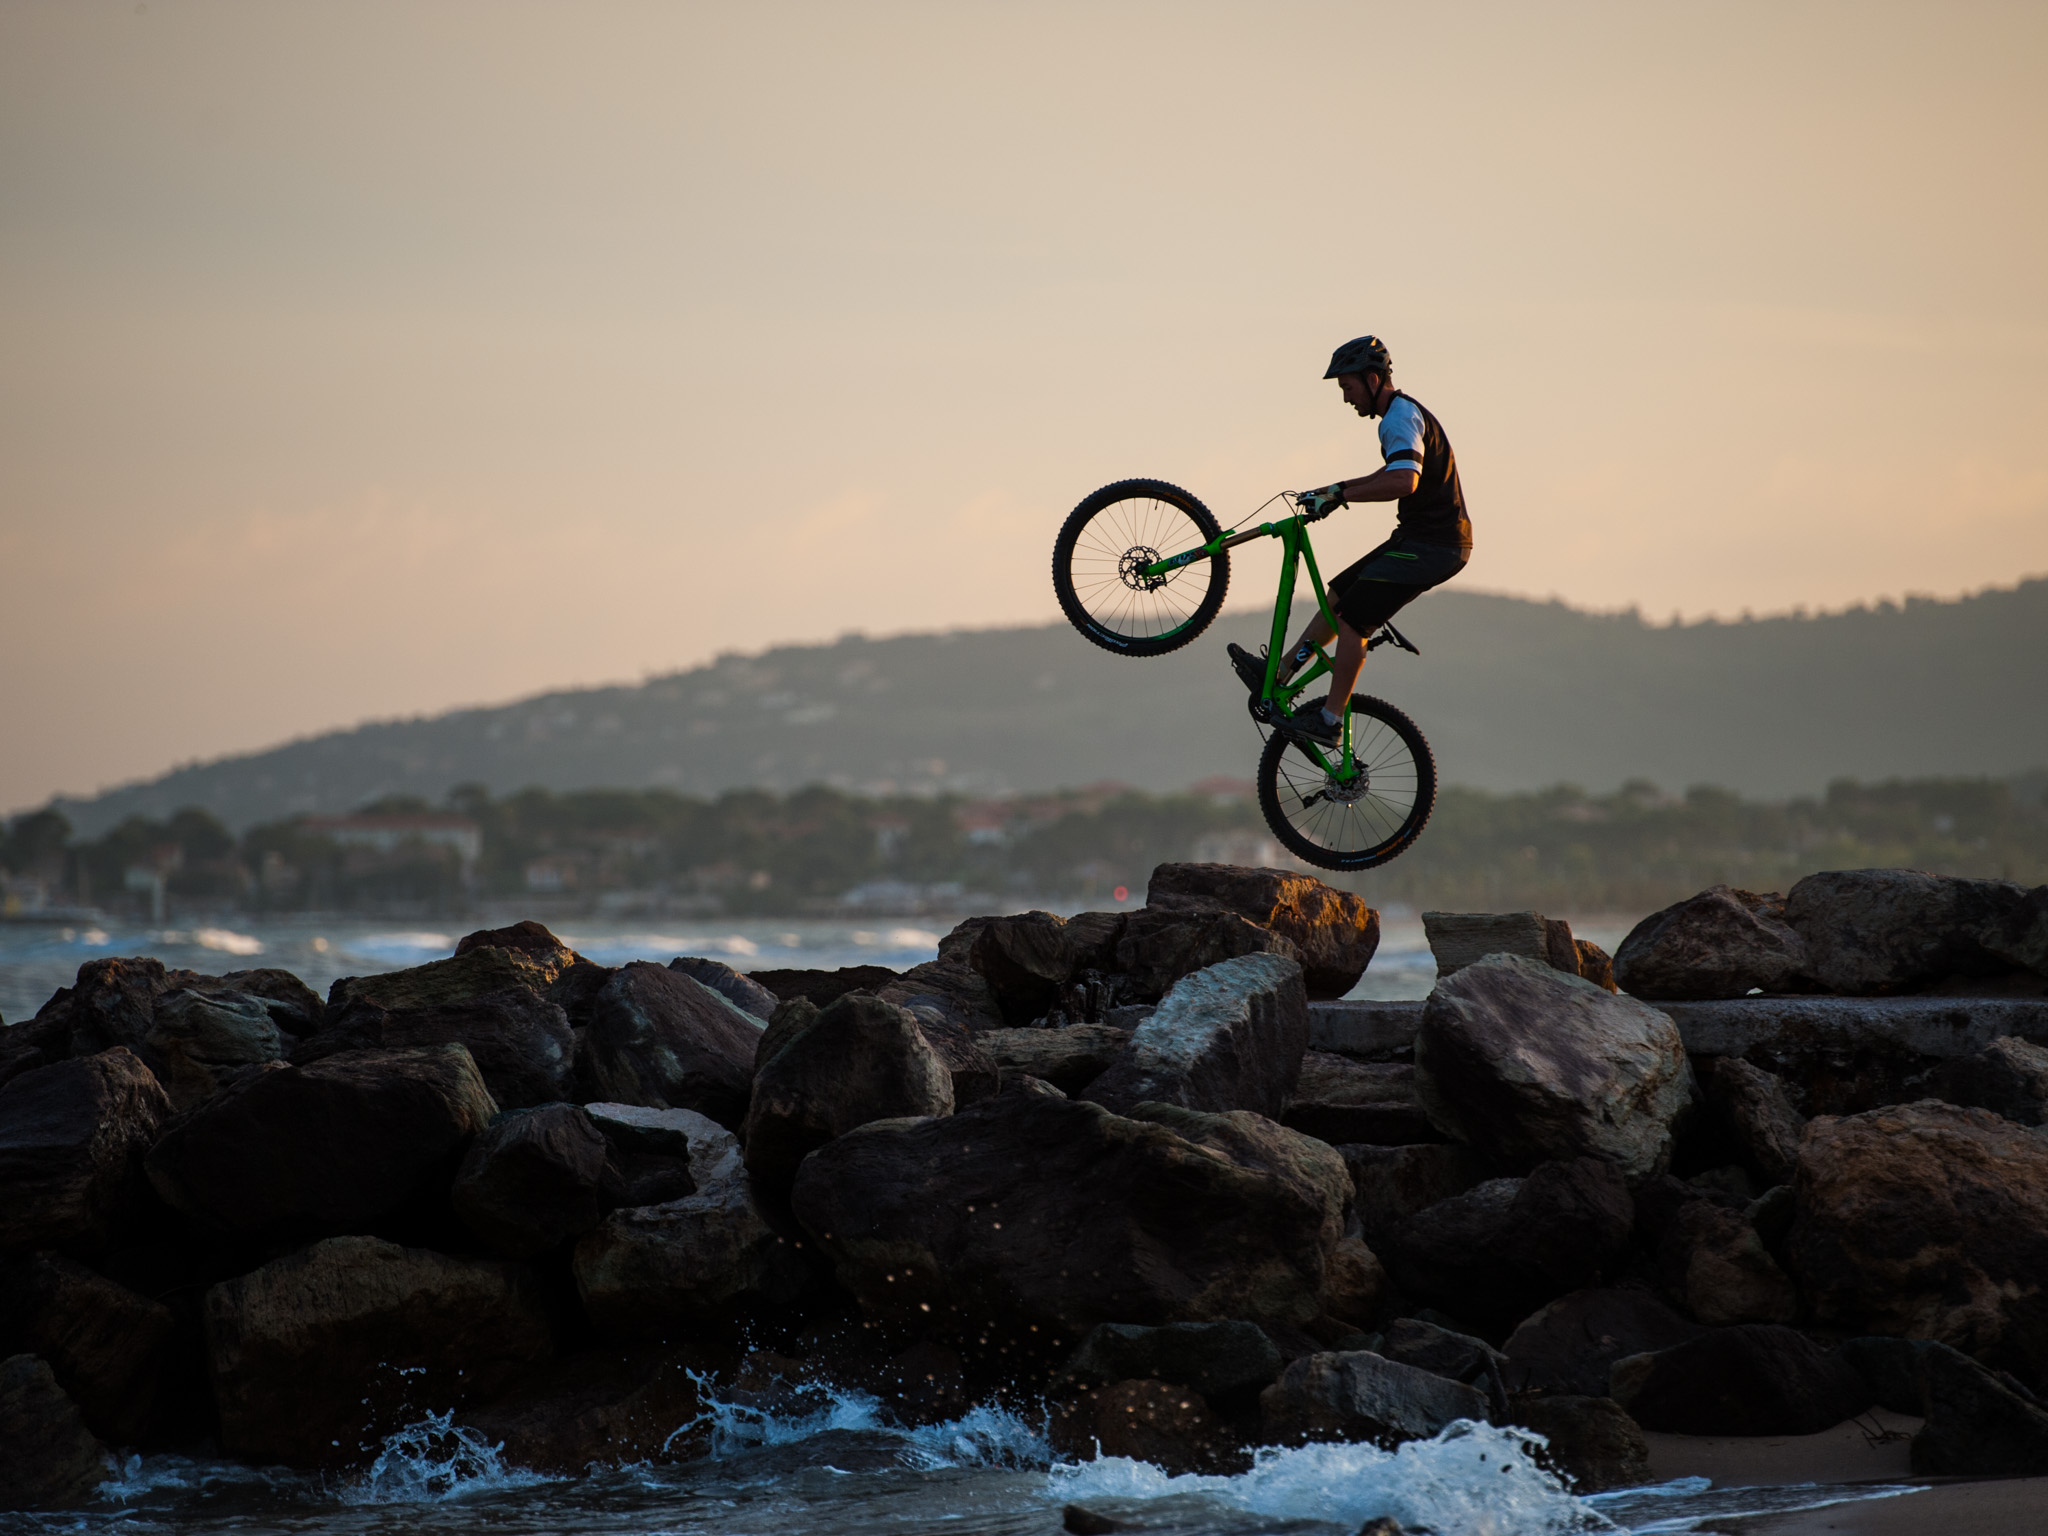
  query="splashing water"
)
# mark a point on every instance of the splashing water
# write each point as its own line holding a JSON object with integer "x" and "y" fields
{"x": 432, "y": 1460}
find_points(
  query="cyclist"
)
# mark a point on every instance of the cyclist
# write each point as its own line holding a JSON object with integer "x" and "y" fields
{"x": 1432, "y": 536}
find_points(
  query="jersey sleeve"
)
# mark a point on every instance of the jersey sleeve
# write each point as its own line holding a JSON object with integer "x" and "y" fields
{"x": 1401, "y": 436}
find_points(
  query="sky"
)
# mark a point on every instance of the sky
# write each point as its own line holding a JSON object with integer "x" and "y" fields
{"x": 362, "y": 361}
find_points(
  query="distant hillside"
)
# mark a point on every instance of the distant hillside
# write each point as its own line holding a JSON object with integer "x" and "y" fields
{"x": 1512, "y": 694}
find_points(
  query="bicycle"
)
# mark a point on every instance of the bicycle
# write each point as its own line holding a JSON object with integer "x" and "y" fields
{"x": 1141, "y": 568}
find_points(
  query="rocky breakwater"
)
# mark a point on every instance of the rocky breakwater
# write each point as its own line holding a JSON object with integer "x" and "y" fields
{"x": 1086, "y": 1163}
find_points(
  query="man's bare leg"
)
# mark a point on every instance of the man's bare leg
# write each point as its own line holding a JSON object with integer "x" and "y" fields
{"x": 1299, "y": 655}
{"x": 1344, "y": 669}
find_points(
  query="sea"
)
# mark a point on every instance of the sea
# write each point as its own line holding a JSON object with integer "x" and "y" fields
{"x": 846, "y": 1466}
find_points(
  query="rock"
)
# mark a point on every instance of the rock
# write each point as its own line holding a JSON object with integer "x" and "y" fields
{"x": 1343, "y": 1102}
{"x": 743, "y": 992}
{"x": 113, "y": 1352}
{"x": 533, "y": 1179}
{"x": 2009, "y": 1077}
{"x": 1069, "y": 1058}
{"x": 951, "y": 989}
{"x": 605, "y": 1408}
{"x": 958, "y": 944}
{"x": 1756, "y": 1116}
{"x": 1891, "y": 1369}
{"x": 576, "y": 991}
{"x": 1391, "y": 1184}
{"x": 1171, "y": 1427}
{"x": 789, "y": 1020}
{"x": 295, "y": 1008}
{"x": 470, "y": 974}
{"x": 649, "y": 1150}
{"x": 331, "y": 1147}
{"x": 1356, "y": 1288}
{"x": 1334, "y": 932}
{"x": 1056, "y": 1211}
{"x": 1079, "y": 1520}
{"x": 1441, "y": 1352}
{"x": 1025, "y": 961}
{"x": 1927, "y": 1221}
{"x": 1755, "y": 1379}
{"x": 199, "y": 1041}
{"x": 1457, "y": 939}
{"x": 1216, "y": 1359}
{"x": 72, "y": 1139}
{"x": 660, "y": 1039}
{"x": 1525, "y": 1063}
{"x": 52, "y": 1460}
{"x": 1593, "y": 1441}
{"x": 1359, "y": 1395}
{"x": 1595, "y": 965}
{"x": 825, "y": 987}
{"x": 527, "y": 937}
{"x": 1977, "y": 1425}
{"x": 861, "y": 1059}
{"x": 1712, "y": 1263}
{"x": 651, "y": 1268}
{"x": 1157, "y": 948}
{"x": 521, "y": 1043}
{"x": 1568, "y": 1346}
{"x": 969, "y": 1063}
{"x": 316, "y": 1356}
{"x": 1896, "y": 930}
{"x": 1503, "y": 1248}
{"x": 111, "y": 1003}
{"x": 1228, "y": 1037}
{"x": 1720, "y": 943}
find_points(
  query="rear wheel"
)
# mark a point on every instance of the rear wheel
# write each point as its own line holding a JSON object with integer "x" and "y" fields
{"x": 1361, "y": 821}
{"x": 1096, "y": 568}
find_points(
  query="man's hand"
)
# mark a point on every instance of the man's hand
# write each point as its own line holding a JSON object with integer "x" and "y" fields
{"x": 1320, "y": 504}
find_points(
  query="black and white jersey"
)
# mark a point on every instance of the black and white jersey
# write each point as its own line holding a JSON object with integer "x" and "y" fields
{"x": 1412, "y": 438}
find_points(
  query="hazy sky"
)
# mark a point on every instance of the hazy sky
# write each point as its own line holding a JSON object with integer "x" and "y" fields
{"x": 363, "y": 360}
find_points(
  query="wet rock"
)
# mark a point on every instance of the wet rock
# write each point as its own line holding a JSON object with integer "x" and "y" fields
{"x": 1977, "y": 1424}
{"x": 1441, "y": 1351}
{"x": 951, "y": 989}
{"x": 1568, "y": 1346}
{"x": 473, "y": 973}
{"x": 1503, "y": 1248}
{"x": 1873, "y": 931}
{"x": 1593, "y": 1441}
{"x": 1055, "y": 1210}
{"x": 52, "y": 1459}
{"x": 1595, "y": 965}
{"x": 645, "y": 1270}
{"x": 1228, "y": 1037}
{"x": 1069, "y": 1058}
{"x": 1169, "y": 1426}
{"x": 1359, "y": 1395}
{"x": 113, "y": 1352}
{"x": 1356, "y": 1286}
{"x": 603, "y": 1408}
{"x": 743, "y": 992}
{"x": 1157, "y": 948}
{"x": 533, "y": 1179}
{"x": 825, "y": 987}
{"x": 660, "y": 1039}
{"x": 1216, "y": 1359}
{"x": 2009, "y": 1077}
{"x": 860, "y": 1059}
{"x": 1721, "y": 943}
{"x": 328, "y": 1147}
{"x": 1756, "y": 1379}
{"x": 521, "y": 1043}
{"x": 318, "y": 1355}
{"x": 1755, "y": 1114}
{"x": 72, "y": 1139}
{"x": 1390, "y": 1184}
{"x": 1930, "y": 1221}
{"x": 526, "y": 937}
{"x": 1334, "y": 932}
{"x": 1459, "y": 939}
{"x": 1525, "y": 1063}
{"x": 197, "y": 1041}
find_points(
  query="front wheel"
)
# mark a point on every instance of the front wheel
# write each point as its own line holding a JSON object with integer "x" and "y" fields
{"x": 1098, "y": 561}
{"x": 1361, "y": 821}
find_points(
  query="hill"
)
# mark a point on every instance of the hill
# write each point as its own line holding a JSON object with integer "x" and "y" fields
{"x": 1513, "y": 695}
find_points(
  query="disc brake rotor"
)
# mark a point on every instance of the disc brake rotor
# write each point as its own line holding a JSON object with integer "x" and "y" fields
{"x": 1348, "y": 791}
{"x": 1132, "y": 569}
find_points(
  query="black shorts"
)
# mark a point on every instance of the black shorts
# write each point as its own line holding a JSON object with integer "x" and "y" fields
{"x": 1369, "y": 593}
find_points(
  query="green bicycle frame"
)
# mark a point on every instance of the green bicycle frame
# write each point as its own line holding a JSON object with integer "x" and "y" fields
{"x": 1292, "y": 532}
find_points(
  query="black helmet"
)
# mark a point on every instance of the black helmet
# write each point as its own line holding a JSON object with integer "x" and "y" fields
{"x": 1368, "y": 354}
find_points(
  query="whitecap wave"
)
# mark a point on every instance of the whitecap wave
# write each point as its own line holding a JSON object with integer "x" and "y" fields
{"x": 433, "y": 1460}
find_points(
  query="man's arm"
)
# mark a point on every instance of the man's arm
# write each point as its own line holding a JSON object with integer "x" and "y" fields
{"x": 1389, "y": 484}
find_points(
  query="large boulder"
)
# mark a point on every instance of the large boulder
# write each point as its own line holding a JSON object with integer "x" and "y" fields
{"x": 1334, "y": 931}
{"x": 743, "y": 992}
{"x": 474, "y": 972}
{"x": 648, "y": 1149}
{"x": 1714, "y": 1264}
{"x": 1056, "y": 1211}
{"x": 647, "y": 1269}
{"x": 72, "y": 1140}
{"x": 1720, "y": 943}
{"x": 970, "y": 1065}
{"x": 860, "y": 1059}
{"x": 521, "y": 1042}
{"x": 295, "y": 1008}
{"x": 51, "y": 1459}
{"x": 1870, "y": 931}
{"x": 1228, "y": 1037}
{"x": 1169, "y": 1427}
{"x": 1347, "y": 1102}
{"x": 1503, "y": 1248}
{"x": 1927, "y": 1221}
{"x": 1569, "y": 1346}
{"x": 1390, "y": 1184}
{"x": 1216, "y": 1359}
{"x": 1977, "y": 1425}
{"x": 198, "y": 1040}
{"x": 113, "y": 1352}
{"x": 331, "y": 1147}
{"x": 660, "y": 1039}
{"x": 526, "y": 937}
{"x": 1358, "y": 1395}
{"x": 605, "y": 1408}
{"x": 534, "y": 1179}
{"x": 1157, "y": 947}
{"x": 1525, "y": 1063}
{"x": 824, "y": 987}
{"x": 950, "y": 990}
{"x": 1070, "y": 1058}
{"x": 1026, "y": 961}
{"x": 1591, "y": 1440}
{"x": 1442, "y": 1351}
{"x": 316, "y": 1356}
{"x": 1458, "y": 939}
{"x": 1756, "y": 1116}
{"x": 111, "y": 1003}
{"x": 1757, "y": 1379}
{"x": 2009, "y": 1077}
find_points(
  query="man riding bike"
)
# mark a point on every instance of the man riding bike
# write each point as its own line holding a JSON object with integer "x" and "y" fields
{"x": 1432, "y": 536}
